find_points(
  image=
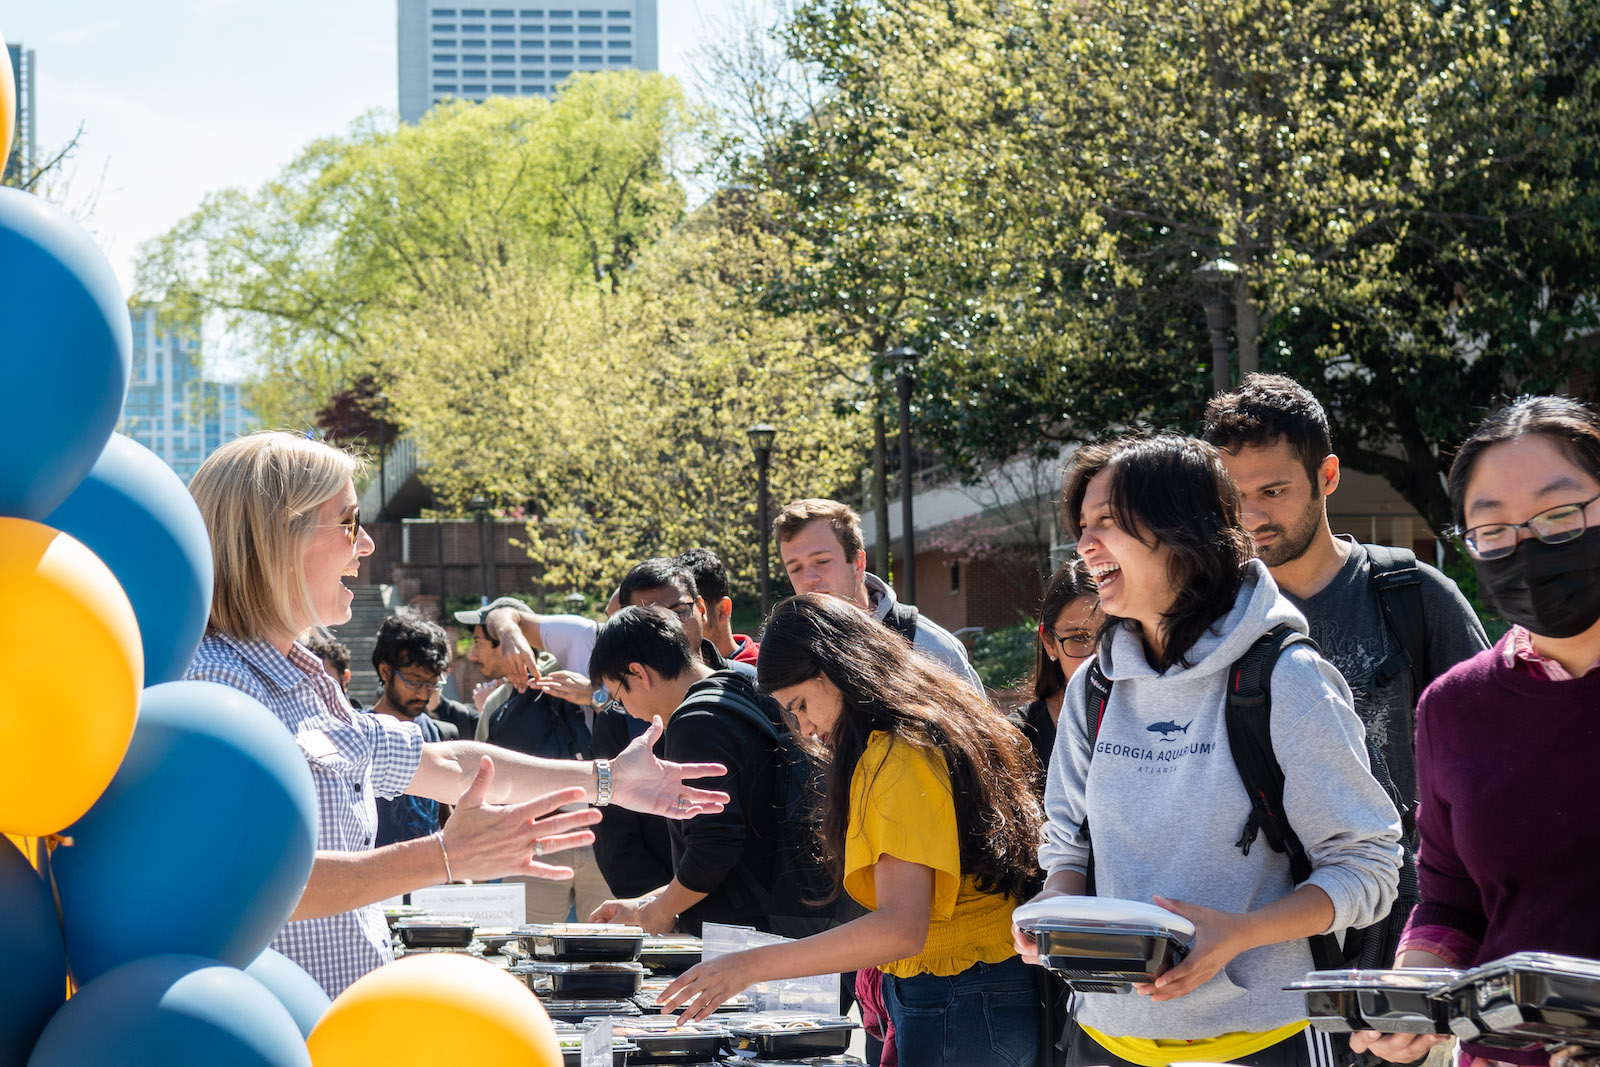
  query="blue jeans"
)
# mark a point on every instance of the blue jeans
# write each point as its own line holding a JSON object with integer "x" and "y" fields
{"x": 986, "y": 1016}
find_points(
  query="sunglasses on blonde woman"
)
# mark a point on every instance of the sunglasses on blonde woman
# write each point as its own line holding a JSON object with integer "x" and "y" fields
{"x": 350, "y": 526}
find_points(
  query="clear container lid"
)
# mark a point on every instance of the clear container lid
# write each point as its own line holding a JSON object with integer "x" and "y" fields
{"x": 581, "y": 929}
{"x": 666, "y": 1024}
{"x": 437, "y": 922}
{"x": 1537, "y": 963}
{"x": 549, "y": 967}
{"x": 783, "y": 1022}
{"x": 1097, "y": 912}
{"x": 596, "y": 1009}
{"x": 1421, "y": 979}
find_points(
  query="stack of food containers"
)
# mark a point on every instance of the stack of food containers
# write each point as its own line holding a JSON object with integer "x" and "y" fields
{"x": 582, "y": 969}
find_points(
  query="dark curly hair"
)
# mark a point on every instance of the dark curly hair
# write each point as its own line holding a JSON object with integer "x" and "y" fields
{"x": 1173, "y": 492}
{"x": 1266, "y": 409}
{"x": 916, "y": 701}
{"x": 409, "y": 640}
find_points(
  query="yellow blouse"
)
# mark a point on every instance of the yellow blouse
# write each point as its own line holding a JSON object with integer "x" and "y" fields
{"x": 901, "y": 806}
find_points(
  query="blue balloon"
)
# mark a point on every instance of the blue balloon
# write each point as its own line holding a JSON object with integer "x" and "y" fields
{"x": 71, "y": 346}
{"x": 33, "y": 963}
{"x": 134, "y": 512}
{"x": 201, "y": 844}
{"x": 294, "y": 988}
{"x": 174, "y": 1011}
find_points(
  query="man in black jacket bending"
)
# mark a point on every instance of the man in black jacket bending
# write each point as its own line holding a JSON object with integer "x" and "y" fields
{"x": 722, "y": 863}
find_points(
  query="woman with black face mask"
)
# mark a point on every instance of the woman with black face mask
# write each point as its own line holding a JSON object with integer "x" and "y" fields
{"x": 1508, "y": 813}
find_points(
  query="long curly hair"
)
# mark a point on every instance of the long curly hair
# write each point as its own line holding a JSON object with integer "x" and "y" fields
{"x": 1174, "y": 492}
{"x": 887, "y": 686}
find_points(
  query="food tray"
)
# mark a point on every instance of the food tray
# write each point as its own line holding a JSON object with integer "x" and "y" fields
{"x": 1103, "y": 957}
{"x": 571, "y": 1041}
{"x": 569, "y": 1010}
{"x": 393, "y": 913}
{"x": 1526, "y": 998}
{"x": 576, "y": 981}
{"x": 582, "y": 942}
{"x": 1400, "y": 1001}
{"x": 435, "y": 933}
{"x": 670, "y": 953}
{"x": 662, "y": 1040}
{"x": 503, "y": 942}
{"x": 650, "y": 992}
{"x": 789, "y": 1035}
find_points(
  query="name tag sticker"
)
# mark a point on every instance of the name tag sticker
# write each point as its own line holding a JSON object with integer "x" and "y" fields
{"x": 317, "y": 744}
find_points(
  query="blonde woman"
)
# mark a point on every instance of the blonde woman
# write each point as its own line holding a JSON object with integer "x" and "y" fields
{"x": 285, "y": 532}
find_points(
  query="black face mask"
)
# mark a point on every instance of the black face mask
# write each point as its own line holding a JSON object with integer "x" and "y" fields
{"x": 1552, "y": 590}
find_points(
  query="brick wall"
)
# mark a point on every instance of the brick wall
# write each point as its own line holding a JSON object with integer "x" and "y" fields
{"x": 991, "y": 593}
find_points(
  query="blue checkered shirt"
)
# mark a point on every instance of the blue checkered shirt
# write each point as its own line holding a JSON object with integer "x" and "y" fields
{"x": 373, "y": 756}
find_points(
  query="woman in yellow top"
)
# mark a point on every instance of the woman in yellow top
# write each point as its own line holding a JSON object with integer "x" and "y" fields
{"x": 928, "y": 820}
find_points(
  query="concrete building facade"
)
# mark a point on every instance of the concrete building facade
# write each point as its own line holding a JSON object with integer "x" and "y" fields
{"x": 471, "y": 53}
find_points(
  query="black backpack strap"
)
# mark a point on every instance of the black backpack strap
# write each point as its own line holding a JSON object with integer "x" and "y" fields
{"x": 1249, "y": 720}
{"x": 902, "y": 619}
{"x": 1397, "y": 581}
{"x": 1096, "y": 696}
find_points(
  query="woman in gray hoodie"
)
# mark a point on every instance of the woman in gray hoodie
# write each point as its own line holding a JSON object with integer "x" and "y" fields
{"x": 1157, "y": 522}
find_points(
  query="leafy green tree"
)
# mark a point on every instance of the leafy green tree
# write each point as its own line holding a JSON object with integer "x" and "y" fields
{"x": 1406, "y": 187}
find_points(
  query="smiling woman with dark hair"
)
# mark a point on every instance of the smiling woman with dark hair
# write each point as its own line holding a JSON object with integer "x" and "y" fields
{"x": 1157, "y": 523}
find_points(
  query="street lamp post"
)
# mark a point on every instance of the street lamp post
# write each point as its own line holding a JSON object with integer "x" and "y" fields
{"x": 904, "y": 360}
{"x": 480, "y": 512}
{"x": 383, "y": 466}
{"x": 1217, "y": 279}
{"x": 761, "y": 436}
{"x": 575, "y": 602}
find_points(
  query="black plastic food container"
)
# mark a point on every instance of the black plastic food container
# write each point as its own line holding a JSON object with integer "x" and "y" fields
{"x": 1105, "y": 957}
{"x": 769, "y": 1037}
{"x": 1400, "y": 1001}
{"x": 435, "y": 933}
{"x": 1526, "y": 998}
{"x": 661, "y": 1040}
{"x": 610, "y": 981}
{"x": 572, "y": 943}
{"x": 670, "y": 953}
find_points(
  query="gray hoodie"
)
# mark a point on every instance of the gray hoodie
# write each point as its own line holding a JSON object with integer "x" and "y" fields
{"x": 1165, "y": 806}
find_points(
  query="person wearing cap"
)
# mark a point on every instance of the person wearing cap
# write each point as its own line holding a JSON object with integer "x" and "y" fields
{"x": 284, "y": 524}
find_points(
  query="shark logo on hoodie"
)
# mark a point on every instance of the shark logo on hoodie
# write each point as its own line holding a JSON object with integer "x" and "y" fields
{"x": 1169, "y": 730}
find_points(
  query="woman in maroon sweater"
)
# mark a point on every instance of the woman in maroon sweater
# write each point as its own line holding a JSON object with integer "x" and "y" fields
{"x": 1508, "y": 816}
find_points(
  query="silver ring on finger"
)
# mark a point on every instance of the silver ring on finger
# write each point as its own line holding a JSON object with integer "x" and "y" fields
{"x": 538, "y": 848}
{"x": 682, "y": 803}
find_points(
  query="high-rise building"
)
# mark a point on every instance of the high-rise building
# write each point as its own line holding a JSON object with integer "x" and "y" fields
{"x": 171, "y": 408}
{"x": 476, "y": 52}
{"x": 25, "y": 149}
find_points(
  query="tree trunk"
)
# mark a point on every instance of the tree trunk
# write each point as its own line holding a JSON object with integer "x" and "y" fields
{"x": 1247, "y": 328}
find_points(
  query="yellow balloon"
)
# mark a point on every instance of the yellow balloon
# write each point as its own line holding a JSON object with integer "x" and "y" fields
{"x": 73, "y": 667}
{"x": 8, "y": 103}
{"x": 470, "y": 1012}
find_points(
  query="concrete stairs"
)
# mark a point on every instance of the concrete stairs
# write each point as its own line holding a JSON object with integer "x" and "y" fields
{"x": 373, "y": 604}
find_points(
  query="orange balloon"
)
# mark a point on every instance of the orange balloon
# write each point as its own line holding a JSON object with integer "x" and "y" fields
{"x": 28, "y": 846}
{"x": 62, "y": 735}
{"x": 433, "y": 1008}
{"x": 8, "y": 103}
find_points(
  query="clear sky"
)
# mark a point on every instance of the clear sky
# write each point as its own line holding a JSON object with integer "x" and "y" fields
{"x": 179, "y": 98}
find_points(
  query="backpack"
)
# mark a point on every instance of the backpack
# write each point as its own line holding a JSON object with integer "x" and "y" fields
{"x": 800, "y": 879}
{"x": 1397, "y": 582}
{"x": 1249, "y": 723}
{"x": 902, "y": 619}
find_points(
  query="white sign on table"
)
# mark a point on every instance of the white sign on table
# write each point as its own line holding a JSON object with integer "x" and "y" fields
{"x": 493, "y": 906}
{"x": 596, "y": 1051}
{"x": 818, "y": 993}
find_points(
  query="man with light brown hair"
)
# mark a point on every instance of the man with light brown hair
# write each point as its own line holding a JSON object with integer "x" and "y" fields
{"x": 822, "y": 550}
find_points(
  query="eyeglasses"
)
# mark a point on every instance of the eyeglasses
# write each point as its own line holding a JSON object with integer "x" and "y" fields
{"x": 1079, "y": 644}
{"x": 430, "y": 683}
{"x": 1554, "y": 526}
{"x": 351, "y": 527}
